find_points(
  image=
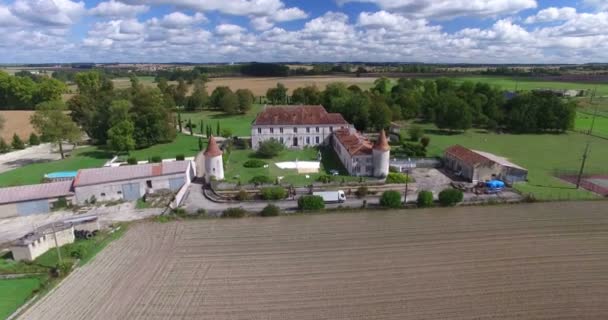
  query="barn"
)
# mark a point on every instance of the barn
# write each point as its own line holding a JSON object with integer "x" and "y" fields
{"x": 478, "y": 166}
{"x": 130, "y": 183}
{"x": 32, "y": 199}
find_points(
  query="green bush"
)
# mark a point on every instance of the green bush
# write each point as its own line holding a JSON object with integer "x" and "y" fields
{"x": 413, "y": 150}
{"x": 361, "y": 192}
{"x": 180, "y": 157}
{"x": 61, "y": 203}
{"x": 242, "y": 195}
{"x": 415, "y": 132}
{"x": 156, "y": 159}
{"x": 311, "y": 203}
{"x": 254, "y": 163}
{"x": 180, "y": 212}
{"x": 325, "y": 178}
{"x": 425, "y": 199}
{"x": 17, "y": 143}
{"x": 425, "y": 141}
{"x": 393, "y": 169}
{"x": 64, "y": 268}
{"x": 274, "y": 193}
{"x": 390, "y": 199}
{"x": 234, "y": 213}
{"x": 78, "y": 251}
{"x": 269, "y": 148}
{"x": 261, "y": 180}
{"x": 132, "y": 160}
{"x": 270, "y": 211}
{"x": 450, "y": 197}
{"x": 4, "y": 147}
{"x": 201, "y": 212}
{"x": 34, "y": 140}
{"x": 397, "y": 178}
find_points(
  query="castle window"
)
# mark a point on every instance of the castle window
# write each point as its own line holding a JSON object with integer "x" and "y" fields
{"x": 103, "y": 194}
{"x": 259, "y": 130}
{"x": 317, "y": 129}
{"x": 271, "y": 130}
{"x": 281, "y": 130}
{"x": 295, "y": 130}
{"x": 317, "y": 139}
{"x": 307, "y": 129}
{"x": 331, "y": 129}
{"x": 307, "y": 140}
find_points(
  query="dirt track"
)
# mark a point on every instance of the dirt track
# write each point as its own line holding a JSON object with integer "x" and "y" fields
{"x": 520, "y": 262}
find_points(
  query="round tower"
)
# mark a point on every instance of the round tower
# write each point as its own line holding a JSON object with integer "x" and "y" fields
{"x": 381, "y": 154}
{"x": 214, "y": 165}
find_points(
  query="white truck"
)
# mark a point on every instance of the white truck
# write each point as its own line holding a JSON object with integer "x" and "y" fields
{"x": 331, "y": 196}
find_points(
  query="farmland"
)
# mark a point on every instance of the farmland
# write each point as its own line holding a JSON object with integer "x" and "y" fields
{"x": 15, "y": 292}
{"x": 16, "y": 122}
{"x": 458, "y": 263}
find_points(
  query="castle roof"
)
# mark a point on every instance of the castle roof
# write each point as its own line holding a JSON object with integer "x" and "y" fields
{"x": 354, "y": 143}
{"x": 298, "y": 115}
{"x": 212, "y": 149}
{"x": 382, "y": 143}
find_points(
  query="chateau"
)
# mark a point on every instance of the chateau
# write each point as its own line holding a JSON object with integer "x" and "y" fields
{"x": 301, "y": 126}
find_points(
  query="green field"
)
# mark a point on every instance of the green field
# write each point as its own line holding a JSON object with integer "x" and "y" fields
{"x": 15, "y": 292}
{"x": 240, "y": 125}
{"x": 584, "y": 122}
{"x": 183, "y": 144}
{"x": 541, "y": 154}
{"x": 512, "y": 84}
{"x": 236, "y": 172}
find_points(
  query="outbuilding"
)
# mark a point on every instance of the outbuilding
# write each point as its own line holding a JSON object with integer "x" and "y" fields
{"x": 478, "y": 166}
{"x": 33, "y": 199}
{"x": 130, "y": 183}
{"x": 35, "y": 244}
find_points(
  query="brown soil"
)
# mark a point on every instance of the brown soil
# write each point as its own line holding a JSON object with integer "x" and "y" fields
{"x": 534, "y": 261}
{"x": 16, "y": 122}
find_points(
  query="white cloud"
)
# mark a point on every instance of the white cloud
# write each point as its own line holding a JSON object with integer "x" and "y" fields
{"x": 598, "y": 4}
{"x": 178, "y": 20}
{"x": 228, "y": 29}
{"x": 7, "y": 18}
{"x": 445, "y": 9}
{"x": 49, "y": 12}
{"x": 552, "y": 14}
{"x": 115, "y": 9}
{"x": 261, "y": 23}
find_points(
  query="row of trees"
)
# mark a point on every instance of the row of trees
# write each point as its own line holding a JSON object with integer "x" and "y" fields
{"x": 25, "y": 92}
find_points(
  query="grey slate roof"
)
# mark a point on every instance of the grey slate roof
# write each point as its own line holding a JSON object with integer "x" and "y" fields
{"x": 87, "y": 177}
{"x": 35, "y": 192}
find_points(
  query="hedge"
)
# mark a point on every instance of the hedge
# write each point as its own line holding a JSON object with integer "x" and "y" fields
{"x": 391, "y": 199}
{"x": 394, "y": 177}
{"x": 254, "y": 163}
{"x": 270, "y": 211}
{"x": 450, "y": 197}
{"x": 425, "y": 199}
{"x": 261, "y": 180}
{"x": 274, "y": 193}
{"x": 311, "y": 203}
{"x": 234, "y": 213}
{"x": 180, "y": 157}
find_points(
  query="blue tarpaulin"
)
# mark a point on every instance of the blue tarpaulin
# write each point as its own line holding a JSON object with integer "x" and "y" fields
{"x": 495, "y": 184}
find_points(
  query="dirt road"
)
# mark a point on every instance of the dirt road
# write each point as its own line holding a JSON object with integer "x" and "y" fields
{"x": 533, "y": 261}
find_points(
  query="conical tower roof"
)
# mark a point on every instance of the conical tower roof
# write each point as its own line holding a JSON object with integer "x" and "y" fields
{"x": 382, "y": 143}
{"x": 212, "y": 149}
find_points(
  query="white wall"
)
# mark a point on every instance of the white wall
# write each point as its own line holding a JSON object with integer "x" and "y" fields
{"x": 303, "y": 132}
{"x": 42, "y": 245}
{"x": 362, "y": 164}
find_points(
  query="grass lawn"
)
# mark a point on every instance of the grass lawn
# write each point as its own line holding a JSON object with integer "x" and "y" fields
{"x": 541, "y": 154}
{"x": 235, "y": 171}
{"x": 15, "y": 292}
{"x": 88, "y": 157}
{"x": 584, "y": 121}
{"x": 239, "y": 124}
{"x": 510, "y": 83}
{"x": 183, "y": 144}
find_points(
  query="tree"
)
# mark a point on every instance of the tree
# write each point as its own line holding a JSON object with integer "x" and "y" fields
{"x": 179, "y": 121}
{"x": 278, "y": 94}
{"x": 226, "y": 133}
{"x": 201, "y": 127}
{"x": 217, "y": 131}
{"x": 34, "y": 140}
{"x": 269, "y": 148}
{"x": 198, "y": 99}
{"x": 390, "y": 199}
{"x": 120, "y": 137}
{"x": 245, "y": 100}
{"x": 452, "y": 113}
{"x": 2, "y": 122}
{"x": 152, "y": 121}
{"x": 450, "y": 197}
{"x": 425, "y": 141}
{"x": 190, "y": 127}
{"x": 180, "y": 93}
{"x": 380, "y": 116}
{"x": 200, "y": 144}
{"x": 229, "y": 103}
{"x": 17, "y": 143}
{"x": 54, "y": 124}
{"x": 311, "y": 203}
{"x": 4, "y": 147}
{"x": 415, "y": 132}
{"x": 217, "y": 95}
{"x": 309, "y": 95}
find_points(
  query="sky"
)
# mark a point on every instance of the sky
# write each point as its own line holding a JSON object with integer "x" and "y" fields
{"x": 429, "y": 31}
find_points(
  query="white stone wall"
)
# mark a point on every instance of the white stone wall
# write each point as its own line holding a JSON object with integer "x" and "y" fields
{"x": 360, "y": 165}
{"x": 214, "y": 167}
{"x": 306, "y": 135}
{"x": 381, "y": 162}
{"x": 113, "y": 191}
{"x": 43, "y": 244}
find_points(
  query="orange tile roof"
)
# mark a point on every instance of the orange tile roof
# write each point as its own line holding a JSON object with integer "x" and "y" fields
{"x": 298, "y": 115}
{"x": 382, "y": 143}
{"x": 466, "y": 155}
{"x": 355, "y": 143}
{"x": 212, "y": 149}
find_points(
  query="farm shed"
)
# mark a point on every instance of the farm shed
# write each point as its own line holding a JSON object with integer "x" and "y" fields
{"x": 130, "y": 182}
{"x": 37, "y": 243}
{"x": 32, "y": 199}
{"x": 478, "y": 166}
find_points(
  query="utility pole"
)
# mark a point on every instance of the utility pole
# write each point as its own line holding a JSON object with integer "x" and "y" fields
{"x": 580, "y": 173}
{"x": 593, "y": 120}
{"x": 56, "y": 243}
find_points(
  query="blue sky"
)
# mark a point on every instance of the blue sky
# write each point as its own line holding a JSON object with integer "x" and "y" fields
{"x": 432, "y": 31}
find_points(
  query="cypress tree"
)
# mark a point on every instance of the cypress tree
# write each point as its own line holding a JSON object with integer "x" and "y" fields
{"x": 201, "y": 127}
{"x": 179, "y": 121}
{"x": 200, "y": 144}
{"x": 217, "y": 132}
{"x": 190, "y": 127}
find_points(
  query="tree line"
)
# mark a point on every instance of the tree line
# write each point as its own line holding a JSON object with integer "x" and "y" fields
{"x": 25, "y": 91}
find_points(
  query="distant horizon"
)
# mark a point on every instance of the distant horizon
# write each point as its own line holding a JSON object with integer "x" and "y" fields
{"x": 304, "y": 63}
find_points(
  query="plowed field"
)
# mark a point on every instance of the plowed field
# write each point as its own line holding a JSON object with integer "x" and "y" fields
{"x": 534, "y": 261}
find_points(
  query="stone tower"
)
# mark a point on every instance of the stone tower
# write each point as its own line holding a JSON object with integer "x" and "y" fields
{"x": 214, "y": 165}
{"x": 381, "y": 156}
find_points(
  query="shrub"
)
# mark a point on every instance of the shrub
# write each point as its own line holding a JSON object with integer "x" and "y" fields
{"x": 393, "y": 169}
{"x": 234, "y": 213}
{"x": 325, "y": 178}
{"x": 362, "y": 192}
{"x": 201, "y": 212}
{"x": 242, "y": 195}
{"x": 311, "y": 203}
{"x": 63, "y": 268}
{"x": 397, "y": 178}
{"x": 17, "y": 143}
{"x": 180, "y": 212}
{"x": 269, "y": 148}
{"x": 78, "y": 251}
{"x": 390, "y": 199}
{"x": 425, "y": 199}
{"x": 450, "y": 197}
{"x": 425, "y": 141}
{"x": 4, "y": 147}
{"x": 270, "y": 211}
{"x": 415, "y": 132}
{"x": 254, "y": 163}
{"x": 61, "y": 203}
{"x": 180, "y": 157}
{"x": 261, "y": 180}
{"x": 156, "y": 159}
{"x": 274, "y": 193}
{"x": 34, "y": 140}
{"x": 226, "y": 133}
{"x": 413, "y": 150}
{"x": 132, "y": 160}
